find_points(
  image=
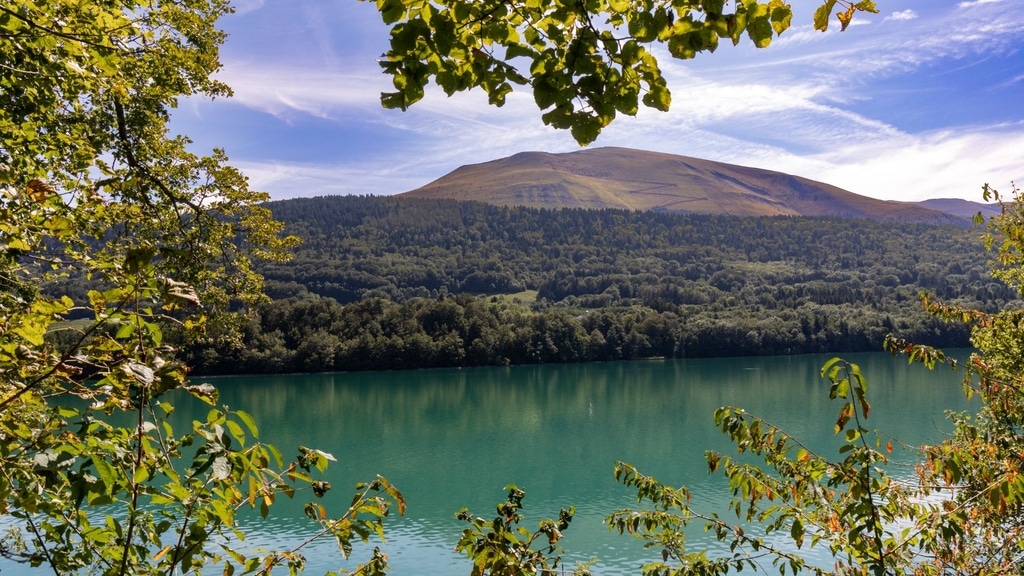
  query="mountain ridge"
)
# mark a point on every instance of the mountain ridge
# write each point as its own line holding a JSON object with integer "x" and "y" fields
{"x": 633, "y": 179}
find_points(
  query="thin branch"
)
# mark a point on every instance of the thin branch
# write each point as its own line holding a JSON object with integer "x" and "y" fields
{"x": 139, "y": 450}
{"x": 328, "y": 526}
{"x": 134, "y": 164}
{"x": 34, "y": 529}
{"x": 20, "y": 71}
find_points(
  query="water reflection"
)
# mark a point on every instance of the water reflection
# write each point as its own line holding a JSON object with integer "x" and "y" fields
{"x": 454, "y": 438}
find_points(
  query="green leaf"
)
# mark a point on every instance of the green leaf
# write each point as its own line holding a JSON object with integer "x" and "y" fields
{"x": 236, "y": 431}
{"x": 391, "y": 11}
{"x": 823, "y": 14}
{"x": 858, "y": 378}
{"x": 619, "y": 5}
{"x": 393, "y": 100}
{"x": 760, "y": 31}
{"x": 544, "y": 94}
{"x": 866, "y": 6}
{"x": 106, "y": 472}
{"x": 127, "y": 330}
{"x": 32, "y": 329}
{"x": 658, "y": 97}
{"x": 830, "y": 368}
{"x": 517, "y": 50}
{"x": 248, "y": 421}
{"x": 17, "y": 244}
{"x": 585, "y": 129}
{"x": 713, "y": 7}
{"x": 797, "y": 532}
{"x": 781, "y": 16}
{"x": 842, "y": 388}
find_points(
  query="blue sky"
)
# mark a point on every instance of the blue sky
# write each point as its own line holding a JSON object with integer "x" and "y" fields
{"x": 924, "y": 100}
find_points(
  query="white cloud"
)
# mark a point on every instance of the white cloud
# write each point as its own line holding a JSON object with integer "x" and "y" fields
{"x": 907, "y": 14}
{"x": 789, "y": 128}
{"x": 941, "y": 164}
{"x": 786, "y": 108}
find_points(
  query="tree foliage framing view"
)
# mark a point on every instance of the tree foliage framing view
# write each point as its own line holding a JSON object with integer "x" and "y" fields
{"x": 92, "y": 183}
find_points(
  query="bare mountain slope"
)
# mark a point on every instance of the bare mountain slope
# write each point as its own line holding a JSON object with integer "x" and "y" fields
{"x": 640, "y": 180}
{"x": 960, "y": 207}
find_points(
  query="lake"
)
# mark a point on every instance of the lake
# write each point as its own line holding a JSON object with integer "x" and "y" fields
{"x": 454, "y": 438}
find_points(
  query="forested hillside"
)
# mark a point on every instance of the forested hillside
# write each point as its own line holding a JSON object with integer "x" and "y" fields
{"x": 382, "y": 282}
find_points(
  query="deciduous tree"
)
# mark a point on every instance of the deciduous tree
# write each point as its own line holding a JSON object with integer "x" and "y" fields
{"x": 585, "y": 61}
{"x": 92, "y": 183}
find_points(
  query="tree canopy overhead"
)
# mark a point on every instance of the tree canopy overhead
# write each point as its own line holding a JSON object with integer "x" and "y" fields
{"x": 584, "y": 60}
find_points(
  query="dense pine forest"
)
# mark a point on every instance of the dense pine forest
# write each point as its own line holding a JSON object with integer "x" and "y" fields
{"x": 392, "y": 283}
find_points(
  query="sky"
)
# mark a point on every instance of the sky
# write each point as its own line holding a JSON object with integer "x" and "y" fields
{"x": 923, "y": 100}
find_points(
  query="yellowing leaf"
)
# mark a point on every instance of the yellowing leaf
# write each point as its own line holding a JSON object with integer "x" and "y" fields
{"x": 17, "y": 244}
{"x": 845, "y": 18}
{"x": 163, "y": 552}
{"x": 39, "y": 191}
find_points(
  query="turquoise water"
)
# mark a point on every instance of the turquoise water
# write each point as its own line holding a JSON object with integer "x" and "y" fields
{"x": 455, "y": 438}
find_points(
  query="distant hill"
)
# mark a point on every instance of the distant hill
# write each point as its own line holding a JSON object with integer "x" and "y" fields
{"x": 959, "y": 207}
{"x": 640, "y": 180}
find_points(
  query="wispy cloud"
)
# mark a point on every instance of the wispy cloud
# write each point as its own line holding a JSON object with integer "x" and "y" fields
{"x": 884, "y": 51}
{"x": 285, "y": 91}
{"x": 776, "y": 129}
{"x": 1018, "y": 79}
{"x": 974, "y": 3}
{"x": 296, "y": 180}
{"x": 807, "y": 105}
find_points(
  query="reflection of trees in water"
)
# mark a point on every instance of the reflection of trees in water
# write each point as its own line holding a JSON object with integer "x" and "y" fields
{"x": 556, "y": 430}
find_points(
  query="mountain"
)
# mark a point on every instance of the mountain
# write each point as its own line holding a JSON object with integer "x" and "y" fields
{"x": 959, "y": 207}
{"x": 641, "y": 180}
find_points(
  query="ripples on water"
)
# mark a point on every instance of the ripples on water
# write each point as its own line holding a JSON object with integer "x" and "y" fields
{"x": 454, "y": 438}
